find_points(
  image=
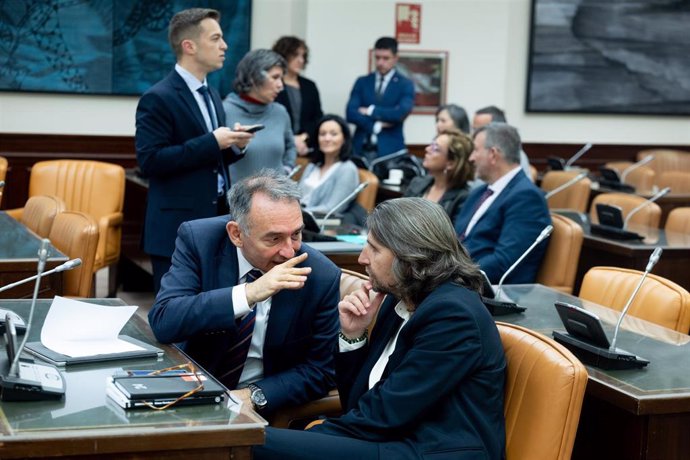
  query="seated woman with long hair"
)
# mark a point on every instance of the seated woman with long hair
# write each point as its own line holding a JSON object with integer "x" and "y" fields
{"x": 330, "y": 176}
{"x": 448, "y": 171}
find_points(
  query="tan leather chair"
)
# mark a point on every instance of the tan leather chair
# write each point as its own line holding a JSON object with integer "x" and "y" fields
{"x": 559, "y": 267}
{"x": 75, "y": 234}
{"x": 642, "y": 177}
{"x": 679, "y": 181}
{"x": 3, "y": 174}
{"x": 93, "y": 187}
{"x": 367, "y": 197}
{"x": 666, "y": 160}
{"x": 303, "y": 162}
{"x": 659, "y": 300}
{"x": 545, "y": 387}
{"x": 650, "y": 215}
{"x": 329, "y": 405}
{"x": 574, "y": 197}
{"x": 39, "y": 213}
{"x": 533, "y": 173}
{"x": 678, "y": 221}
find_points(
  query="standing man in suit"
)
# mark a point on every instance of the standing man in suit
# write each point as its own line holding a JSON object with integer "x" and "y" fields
{"x": 247, "y": 301}
{"x": 503, "y": 217}
{"x": 183, "y": 146}
{"x": 379, "y": 103}
{"x": 429, "y": 381}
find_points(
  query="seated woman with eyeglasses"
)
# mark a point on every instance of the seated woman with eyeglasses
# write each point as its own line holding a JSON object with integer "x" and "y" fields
{"x": 448, "y": 171}
{"x": 330, "y": 176}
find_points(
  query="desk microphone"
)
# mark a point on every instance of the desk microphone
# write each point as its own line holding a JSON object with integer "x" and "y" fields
{"x": 26, "y": 381}
{"x": 634, "y": 166}
{"x": 653, "y": 259}
{"x": 385, "y": 158}
{"x": 354, "y": 193}
{"x": 499, "y": 307}
{"x": 294, "y": 171}
{"x": 69, "y": 265}
{"x": 577, "y": 155}
{"x": 564, "y": 186}
{"x": 661, "y": 193}
{"x": 542, "y": 236}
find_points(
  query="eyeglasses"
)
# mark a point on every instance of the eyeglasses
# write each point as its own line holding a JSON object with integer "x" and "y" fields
{"x": 191, "y": 373}
{"x": 434, "y": 147}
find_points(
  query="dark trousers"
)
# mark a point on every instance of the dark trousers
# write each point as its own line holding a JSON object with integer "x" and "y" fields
{"x": 160, "y": 265}
{"x": 286, "y": 444}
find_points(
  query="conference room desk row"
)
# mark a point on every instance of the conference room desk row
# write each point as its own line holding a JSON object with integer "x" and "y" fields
{"x": 19, "y": 260}
{"x": 667, "y": 203}
{"x": 87, "y": 424}
{"x": 627, "y": 414}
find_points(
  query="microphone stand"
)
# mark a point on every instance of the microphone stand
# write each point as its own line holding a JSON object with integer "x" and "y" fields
{"x": 390, "y": 156}
{"x": 294, "y": 171}
{"x": 633, "y": 167}
{"x": 356, "y": 191}
{"x": 564, "y": 186}
{"x": 652, "y": 262}
{"x": 577, "y": 155}
{"x": 663, "y": 192}
{"x": 544, "y": 233}
{"x": 69, "y": 265}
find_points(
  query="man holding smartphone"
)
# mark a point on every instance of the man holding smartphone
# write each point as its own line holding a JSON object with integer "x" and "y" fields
{"x": 183, "y": 147}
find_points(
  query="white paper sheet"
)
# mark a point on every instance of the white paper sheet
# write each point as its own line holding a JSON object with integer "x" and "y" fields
{"x": 79, "y": 329}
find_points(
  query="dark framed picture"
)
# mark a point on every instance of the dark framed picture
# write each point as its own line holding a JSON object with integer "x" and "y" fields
{"x": 106, "y": 46}
{"x": 429, "y": 72}
{"x": 609, "y": 56}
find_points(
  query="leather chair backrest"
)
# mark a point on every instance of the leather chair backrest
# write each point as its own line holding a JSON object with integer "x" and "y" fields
{"x": 574, "y": 197}
{"x": 75, "y": 234}
{"x": 679, "y": 181}
{"x": 666, "y": 160}
{"x": 659, "y": 300}
{"x": 39, "y": 213}
{"x": 3, "y": 173}
{"x": 642, "y": 177}
{"x": 367, "y": 197}
{"x": 678, "y": 221}
{"x": 559, "y": 267}
{"x": 545, "y": 387}
{"x": 92, "y": 187}
{"x": 650, "y": 215}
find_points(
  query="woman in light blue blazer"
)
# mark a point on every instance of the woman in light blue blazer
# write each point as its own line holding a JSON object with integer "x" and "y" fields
{"x": 330, "y": 176}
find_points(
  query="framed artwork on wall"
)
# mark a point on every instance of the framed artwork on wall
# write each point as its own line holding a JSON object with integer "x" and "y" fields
{"x": 429, "y": 72}
{"x": 609, "y": 56}
{"x": 104, "y": 47}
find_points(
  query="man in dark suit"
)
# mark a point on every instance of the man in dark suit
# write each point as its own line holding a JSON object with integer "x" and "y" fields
{"x": 429, "y": 381}
{"x": 379, "y": 103}
{"x": 182, "y": 144}
{"x": 502, "y": 218}
{"x": 282, "y": 320}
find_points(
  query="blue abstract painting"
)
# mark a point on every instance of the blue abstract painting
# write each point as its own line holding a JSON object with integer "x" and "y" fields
{"x": 104, "y": 46}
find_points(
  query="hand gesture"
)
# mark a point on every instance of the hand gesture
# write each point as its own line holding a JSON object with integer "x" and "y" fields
{"x": 283, "y": 276}
{"x": 358, "y": 309}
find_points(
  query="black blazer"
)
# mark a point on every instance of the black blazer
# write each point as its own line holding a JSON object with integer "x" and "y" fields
{"x": 311, "y": 106}
{"x": 441, "y": 393}
{"x": 179, "y": 157}
{"x": 451, "y": 201}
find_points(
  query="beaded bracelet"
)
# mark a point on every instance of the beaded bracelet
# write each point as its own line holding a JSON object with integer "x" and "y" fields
{"x": 361, "y": 338}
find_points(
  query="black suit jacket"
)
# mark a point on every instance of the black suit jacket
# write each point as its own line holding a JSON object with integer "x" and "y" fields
{"x": 441, "y": 393}
{"x": 451, "y": 201}
{"x": 311, "y": 111}
{"x": 179, "y": 157}
{"x": 194, "y": 307}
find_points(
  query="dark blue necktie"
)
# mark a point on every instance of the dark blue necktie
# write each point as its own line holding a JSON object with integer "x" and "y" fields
{"x": 236, "y": 356}
{"x": 209, "y": 106}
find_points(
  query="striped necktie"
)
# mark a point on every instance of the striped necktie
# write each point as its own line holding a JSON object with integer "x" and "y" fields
{"x": 236, "y": 356}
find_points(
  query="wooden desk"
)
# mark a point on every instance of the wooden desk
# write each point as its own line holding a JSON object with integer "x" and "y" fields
{"x": 673, "y": 265}
{"x": 632, "y": 414}
{"x": 86, "y": 424}
{"x": 19, "y": 260}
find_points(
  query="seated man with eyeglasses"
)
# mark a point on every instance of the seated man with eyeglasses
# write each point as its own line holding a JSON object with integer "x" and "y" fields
{"x": 249, "y": 303}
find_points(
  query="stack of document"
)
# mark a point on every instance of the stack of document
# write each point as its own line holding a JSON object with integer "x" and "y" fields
{"x": 134, "y": 389}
